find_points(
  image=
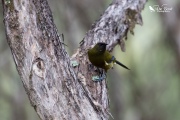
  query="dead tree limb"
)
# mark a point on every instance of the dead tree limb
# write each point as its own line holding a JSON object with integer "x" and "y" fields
{"x": 56, "y": 90}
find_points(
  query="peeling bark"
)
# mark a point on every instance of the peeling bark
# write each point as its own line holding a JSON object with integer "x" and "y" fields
{"x": 56, "y": 90}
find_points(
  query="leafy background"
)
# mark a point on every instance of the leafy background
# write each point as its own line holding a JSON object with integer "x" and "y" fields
{"x": 149, "y": 91}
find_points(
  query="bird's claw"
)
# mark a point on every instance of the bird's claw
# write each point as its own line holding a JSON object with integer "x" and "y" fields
{"x": 98, "y": 78}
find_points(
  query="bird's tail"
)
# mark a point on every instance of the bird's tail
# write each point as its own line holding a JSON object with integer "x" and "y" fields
{"x": 121, "y": 64}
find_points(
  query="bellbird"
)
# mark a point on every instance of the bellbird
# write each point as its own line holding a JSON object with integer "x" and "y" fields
{"x": 101, "y": 58}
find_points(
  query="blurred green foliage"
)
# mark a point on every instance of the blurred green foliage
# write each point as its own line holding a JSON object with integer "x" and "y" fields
{"x": 149, "y": 91}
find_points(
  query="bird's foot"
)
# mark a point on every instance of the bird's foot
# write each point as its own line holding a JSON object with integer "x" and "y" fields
{"x": 99, "y": 78}
{"x": 100, "y": 71}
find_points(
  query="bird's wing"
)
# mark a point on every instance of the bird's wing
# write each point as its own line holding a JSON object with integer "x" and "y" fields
{"x": 108, "y": 57}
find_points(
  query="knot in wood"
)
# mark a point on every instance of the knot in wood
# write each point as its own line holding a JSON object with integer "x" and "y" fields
{"x": 39, "y": 67}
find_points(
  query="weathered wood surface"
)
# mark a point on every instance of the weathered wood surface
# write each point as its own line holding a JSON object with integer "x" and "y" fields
{"x": 55, "y": 89}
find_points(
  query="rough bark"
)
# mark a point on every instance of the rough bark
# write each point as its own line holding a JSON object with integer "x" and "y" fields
{"x": 56, "y": 89}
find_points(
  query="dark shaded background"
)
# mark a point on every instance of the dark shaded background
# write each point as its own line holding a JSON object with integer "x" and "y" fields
{"x": 149, "y": 91}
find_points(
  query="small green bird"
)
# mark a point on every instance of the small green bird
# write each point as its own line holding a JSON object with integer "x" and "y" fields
{"x": 101, "y": 58}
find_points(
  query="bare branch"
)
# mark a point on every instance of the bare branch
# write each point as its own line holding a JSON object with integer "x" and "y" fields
{"x": 112, "y": 27}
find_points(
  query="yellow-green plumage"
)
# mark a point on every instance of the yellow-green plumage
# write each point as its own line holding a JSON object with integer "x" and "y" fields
{"x": 100, "y": 57}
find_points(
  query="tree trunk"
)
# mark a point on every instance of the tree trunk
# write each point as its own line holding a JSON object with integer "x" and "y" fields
{"x": 57, "y": 89}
